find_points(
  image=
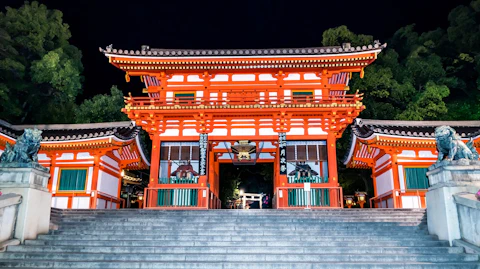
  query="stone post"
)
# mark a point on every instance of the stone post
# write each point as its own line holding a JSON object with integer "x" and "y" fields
{"x": 446, "y": 179}
{"x": 34, "y": 211}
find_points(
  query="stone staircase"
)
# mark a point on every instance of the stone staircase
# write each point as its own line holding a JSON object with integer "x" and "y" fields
{"x": 367, "y": 238}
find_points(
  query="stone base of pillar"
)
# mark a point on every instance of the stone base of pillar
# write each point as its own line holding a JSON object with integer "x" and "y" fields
{"x": 446, "y": 179}
{"x": 34, "y": 212}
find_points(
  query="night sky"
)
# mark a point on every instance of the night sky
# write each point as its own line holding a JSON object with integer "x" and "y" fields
{"x": 225, "y": 24}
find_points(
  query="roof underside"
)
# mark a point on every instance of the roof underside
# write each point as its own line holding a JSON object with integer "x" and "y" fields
{"x": 365, "y": 128}
{"x": 162, "y": 53}
{"x": 124, "y": 130}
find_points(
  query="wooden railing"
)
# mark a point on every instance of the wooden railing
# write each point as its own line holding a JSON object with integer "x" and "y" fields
{"x": 174, "y": 180}
{"x": 312, "y": 179}
{"x": 396, "y": 196}
{"x": 180, "y": 198}
{"x": 300, "y": 198}
{"x": 241, "y": 101}
{"x": 107, "y": 198}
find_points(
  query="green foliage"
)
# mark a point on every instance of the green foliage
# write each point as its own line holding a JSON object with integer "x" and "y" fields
{"x": 421, "y": 76}
{"x": 40, "y": 72}
{"x": 102, "y": 108}
{"x": 339, "y": 35}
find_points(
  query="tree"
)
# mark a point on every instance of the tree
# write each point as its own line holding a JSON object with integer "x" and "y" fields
{"x": 102, "y": 108}
{"x": 40, "y": 72}
{"x": 339, "y": 35}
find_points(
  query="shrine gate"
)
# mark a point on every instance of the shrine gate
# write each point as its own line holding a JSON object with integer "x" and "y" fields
{"x": 205, "y": 107}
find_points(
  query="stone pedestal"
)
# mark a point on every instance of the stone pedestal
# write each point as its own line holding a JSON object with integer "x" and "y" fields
{"x": 446, "y": 179}
{"x": 34, "y": 211}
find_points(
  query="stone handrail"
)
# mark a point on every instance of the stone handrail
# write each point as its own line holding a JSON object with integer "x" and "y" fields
{"x": 8, "y": 215}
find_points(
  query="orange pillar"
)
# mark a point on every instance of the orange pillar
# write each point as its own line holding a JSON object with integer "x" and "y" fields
{"x": 154, "y": 170}
{"x": 96, "y": 171}
{"x": 396, "y": 179}
{"x": 53, "y": 159}
{"x": 332, "y": 168}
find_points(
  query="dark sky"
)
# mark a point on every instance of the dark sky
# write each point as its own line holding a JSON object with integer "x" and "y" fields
{"x": 226, "y": 24}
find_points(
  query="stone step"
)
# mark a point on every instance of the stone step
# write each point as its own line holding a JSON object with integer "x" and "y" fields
{"x": 239, "y": 265}
{"x": 236, "y": 250}
{"x": 219, "y": 237}
{"x": 243, "y": 226}
{"x": 251, "y": 257}
{"x": 277, "y": 243}
{"x": 252, "y": 231}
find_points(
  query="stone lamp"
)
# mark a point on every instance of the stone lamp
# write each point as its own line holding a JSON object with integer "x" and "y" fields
{"x": 348, "y": 200}
{"x": 361, "y": 197}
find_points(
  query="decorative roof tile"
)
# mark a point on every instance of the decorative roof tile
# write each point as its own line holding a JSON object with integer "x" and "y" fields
{"x": 364, "y": 128}
{"x": 159, "y": 52}
{"x": 124, "y": 130}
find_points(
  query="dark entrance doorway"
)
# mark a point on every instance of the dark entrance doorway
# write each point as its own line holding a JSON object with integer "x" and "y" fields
{"x": 256, "y": 178}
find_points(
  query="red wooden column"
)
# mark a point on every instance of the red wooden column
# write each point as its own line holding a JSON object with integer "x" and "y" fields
{"x": 53, "y": 160}
{"x": 154, "y": 170}
{"x": 396, "y": 178}
{"x": 332, "y": 167}
{"x": 95, "y": 174}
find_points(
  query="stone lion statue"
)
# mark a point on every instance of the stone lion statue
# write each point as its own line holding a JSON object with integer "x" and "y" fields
{"x": 451, "y": 147}
{"x": 25, "y": 150}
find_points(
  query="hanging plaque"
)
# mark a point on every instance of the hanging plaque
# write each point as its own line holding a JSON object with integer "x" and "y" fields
{"x": 203, "y": 154}
{"x": 282, "y": 148}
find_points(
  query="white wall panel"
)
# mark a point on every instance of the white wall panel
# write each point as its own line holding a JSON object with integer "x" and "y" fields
{"x": 100, "y": 204}
{"x": 242, "y": 132}
{"x": 60, "y": 202}
{"x": 66, "y": 156}
{"x": 41, "y": 156}
{"x": 401, "y": 177}
{"x": 84, "y": 155}
{"x": 171, "y": 132}
{"x": 407, "y": 153}
{"x": 296, "y": 131}
{"x": 55, "y": 180}
{"x": 107, "y": 184}
{"x": 410, "y": 202}
{"x": 426, "y": 154}
{"x": 110, "y": 161}
{"x": 316, "y": 131}
{"x": 382, "y": 160}
{"x": 267, "y": 131}
{"x": 384, "y": 182}
{"x": 81, "y": 202}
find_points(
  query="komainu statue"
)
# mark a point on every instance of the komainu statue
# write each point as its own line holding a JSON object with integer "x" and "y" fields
{"x": 451, "y": 147}
{"x": 24, "y": 151}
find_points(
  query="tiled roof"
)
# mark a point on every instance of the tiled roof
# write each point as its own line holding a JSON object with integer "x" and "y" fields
{"x": 145, "y": 51}
{"x": 364, "y": 128}
{"x": 124, "y": 130}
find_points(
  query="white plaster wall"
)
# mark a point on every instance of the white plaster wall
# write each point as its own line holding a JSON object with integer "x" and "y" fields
{"x": 84, "y": 155}
{"x": 390, "y": 203}
{"x": 243, "y": 77}
{"x": 60, "y": 202}
{"x": 407, "y": 153}
{"x": 66, "y": 156}
{"x": 266, "y": 131}
{"x": 266, "y": 77}
{"x": 41, "y": 156}
{"x": 219, "y": 132}
{"x": 296, "y": 131}
{"x": 110, "y": 161}
{"x": 100, "y": 204}
{"x": 189, "y": 132}
{"x": 81, "y": 202}
{"x": 316, "y": 131}
{"x": 171, "y": 132}
{"x": 107, "y": 184}
{"x": 426, "y": 154}
{"x": 293, "y": 76}
{"x": 177, "y": 78}
{"x": 194, "y": 78}
{"x": 384, "y": 182}
{"x": 243, "y": 131}
{"x": 382, "y": 160}
{"x": 310, "y": 76}
{"x": 89, "y": 179}
{"x": 220, "y": 78}
{"x": 401, "y": 177}
{"x": 410, "y": 202}
{"x": 55, "y": 180}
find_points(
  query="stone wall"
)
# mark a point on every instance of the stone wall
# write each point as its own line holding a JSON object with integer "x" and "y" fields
{"x": 8, "y": 215}
{"x": 468, "y": 208}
